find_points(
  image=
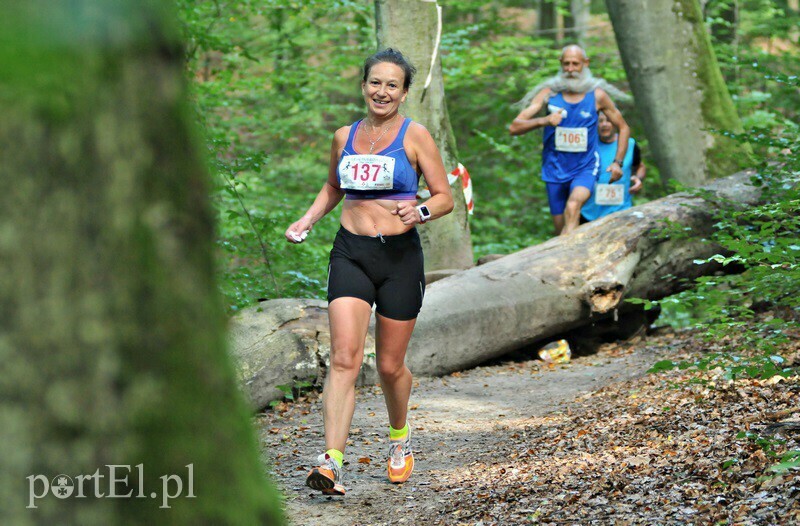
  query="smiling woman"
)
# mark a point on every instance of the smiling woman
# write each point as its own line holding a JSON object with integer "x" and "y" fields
{"x": 377, "y": 259}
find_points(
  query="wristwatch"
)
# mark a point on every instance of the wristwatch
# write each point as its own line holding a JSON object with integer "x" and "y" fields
{"x": 618, "y": 162}
{"x": 424, "y": 213}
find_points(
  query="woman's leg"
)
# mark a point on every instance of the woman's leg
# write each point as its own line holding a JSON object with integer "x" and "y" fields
{"x": 349, "y": 321}
{"x": 391, "y": 342}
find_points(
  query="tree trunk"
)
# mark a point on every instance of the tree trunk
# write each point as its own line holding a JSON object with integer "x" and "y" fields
{"x": 411, "y": 27}
{"x": 792, "y": 9}
{"x": 578, "y": 21}
{"x": 112, "y": 332}
{"x": 560, "y": 286}
{"x": 547, "y": 24}
{"x": 678, "y": 87}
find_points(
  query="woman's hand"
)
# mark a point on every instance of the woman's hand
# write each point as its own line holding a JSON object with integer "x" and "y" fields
{"x": 298, "y": 231}
{"x": 407, "y": 212}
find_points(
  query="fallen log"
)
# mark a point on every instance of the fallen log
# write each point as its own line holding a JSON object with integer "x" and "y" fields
{"x": 484, "y": 312}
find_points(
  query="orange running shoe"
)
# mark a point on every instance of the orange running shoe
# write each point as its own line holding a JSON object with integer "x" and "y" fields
{"x": 401, "y": 460}
{"x": 326, "y": 478}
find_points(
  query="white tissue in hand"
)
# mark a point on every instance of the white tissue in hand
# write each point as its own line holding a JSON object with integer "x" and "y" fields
{"x": 300, "y": 237}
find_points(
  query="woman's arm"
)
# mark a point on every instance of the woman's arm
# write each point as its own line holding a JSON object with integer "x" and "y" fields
{"x": 328, "y": 197}
{"x": 429, "y": 162}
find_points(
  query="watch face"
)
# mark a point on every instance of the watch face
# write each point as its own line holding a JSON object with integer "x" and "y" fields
{"x": 424, "y": 212}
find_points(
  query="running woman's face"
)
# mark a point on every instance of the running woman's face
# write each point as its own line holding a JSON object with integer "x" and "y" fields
{"x": 605, "y": 130}
{"x": 383, "y": 91}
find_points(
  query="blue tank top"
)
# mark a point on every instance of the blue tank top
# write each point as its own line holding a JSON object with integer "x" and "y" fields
{"x": 571, "y": 148}
{"x": 387, "y": 174}
{"x": 608, "y": 151}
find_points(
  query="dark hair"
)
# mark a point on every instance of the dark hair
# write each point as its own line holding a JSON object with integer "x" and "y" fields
{"x": 395, "y": 57}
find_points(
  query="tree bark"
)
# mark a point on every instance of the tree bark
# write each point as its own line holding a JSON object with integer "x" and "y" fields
{"x": 579, "y": 21}
{"x": 482, "y": 313}
{"x": 112, "y": 331}
{"x": 547, "y": 24}
{"x": 679, "y": 89}
{"x": 411, "y": 27}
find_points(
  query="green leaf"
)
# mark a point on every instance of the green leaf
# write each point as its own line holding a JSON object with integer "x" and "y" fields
{"x": 663, "y": 365}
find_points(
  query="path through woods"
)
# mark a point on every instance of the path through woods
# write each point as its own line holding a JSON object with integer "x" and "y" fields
{"x": 597, "y": 441}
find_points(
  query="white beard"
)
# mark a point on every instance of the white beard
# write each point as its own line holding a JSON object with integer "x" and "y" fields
{"x": 580, "y": 83}
{"x": 572, "y": 82}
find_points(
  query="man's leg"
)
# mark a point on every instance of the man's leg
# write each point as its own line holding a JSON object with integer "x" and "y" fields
{"x": 580, "y": 190}
{"x": 572, "y": 212}
{"x": 558, "y": 223}
{"x": 557, "y": 194}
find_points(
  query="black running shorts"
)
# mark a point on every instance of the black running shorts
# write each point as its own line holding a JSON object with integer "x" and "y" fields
{"x": 387, "y": 271}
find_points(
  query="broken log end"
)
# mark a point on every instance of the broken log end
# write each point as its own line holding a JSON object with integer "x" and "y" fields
{"x": 602, "y": 297}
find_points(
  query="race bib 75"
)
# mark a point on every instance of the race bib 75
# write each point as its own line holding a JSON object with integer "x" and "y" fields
{"x": 609, "y": 194}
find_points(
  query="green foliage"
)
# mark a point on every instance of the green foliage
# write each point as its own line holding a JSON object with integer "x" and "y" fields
{"x": 755, "y": 308}
{"x": 754, "y": 51}
{"x": 734, "y": 366}
{"x": 272, "y": 81}
{"x": 764, "y": 241}
{"x": 293, "y": 391}
{"x": 269, "y": 99}
{"x": 789, "y": 461}
{"x": 786, "y": 461}
{"x": 767, "y": 444}
{"x": 489, "y": 65}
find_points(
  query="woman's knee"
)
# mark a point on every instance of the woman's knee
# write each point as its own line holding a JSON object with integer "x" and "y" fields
{"x": 347, "y": 357}
{"x": 389, "y": 369}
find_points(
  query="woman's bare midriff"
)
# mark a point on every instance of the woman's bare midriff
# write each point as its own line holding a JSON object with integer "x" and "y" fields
{"x": 370, "y": 217}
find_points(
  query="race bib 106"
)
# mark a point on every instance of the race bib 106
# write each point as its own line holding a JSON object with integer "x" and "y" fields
{"x": 609, "y": 194}
{"x": 572, "y": 139}
{"x": 366, "y": 172}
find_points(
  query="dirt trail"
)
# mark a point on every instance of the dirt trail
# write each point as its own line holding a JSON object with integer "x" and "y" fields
{"x": 451, "y": 419}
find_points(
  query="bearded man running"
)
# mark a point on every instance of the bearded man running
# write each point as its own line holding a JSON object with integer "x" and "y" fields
{"x": 570, "y": 162}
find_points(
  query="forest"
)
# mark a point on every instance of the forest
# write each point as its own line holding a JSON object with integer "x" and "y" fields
{"x": 156, "y": 152}
{"x": 265, "y": 62}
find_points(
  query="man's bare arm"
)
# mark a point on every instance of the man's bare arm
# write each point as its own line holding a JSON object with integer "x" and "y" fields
{"x": 607, "y": 106}
{"x": 527, "y": 120}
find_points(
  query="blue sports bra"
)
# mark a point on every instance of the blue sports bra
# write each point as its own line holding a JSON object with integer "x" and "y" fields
{"x": 387, "y": 174}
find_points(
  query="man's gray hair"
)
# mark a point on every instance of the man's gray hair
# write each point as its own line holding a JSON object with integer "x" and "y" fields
{"x": 584, "y": 83}
{"x": 573, "y": 46}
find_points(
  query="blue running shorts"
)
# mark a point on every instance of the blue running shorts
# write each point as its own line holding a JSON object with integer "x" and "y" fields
{"x": 558, "y": 193}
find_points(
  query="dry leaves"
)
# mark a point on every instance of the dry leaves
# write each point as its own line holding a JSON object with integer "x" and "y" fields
{"x": 656, "y": 450}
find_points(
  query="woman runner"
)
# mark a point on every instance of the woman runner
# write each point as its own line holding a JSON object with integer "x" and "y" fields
{"x": 376, "y": 259}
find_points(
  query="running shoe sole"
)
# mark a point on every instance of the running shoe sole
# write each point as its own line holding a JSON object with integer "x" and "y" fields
{"x": 320, "y": 480}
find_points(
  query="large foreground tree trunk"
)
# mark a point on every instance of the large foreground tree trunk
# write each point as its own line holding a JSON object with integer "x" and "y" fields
{"x": 489, "y": 310}
{"x": 411, "y": 27}
{"x": 678, "y": 87}
{"x": 112, "y": 332}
